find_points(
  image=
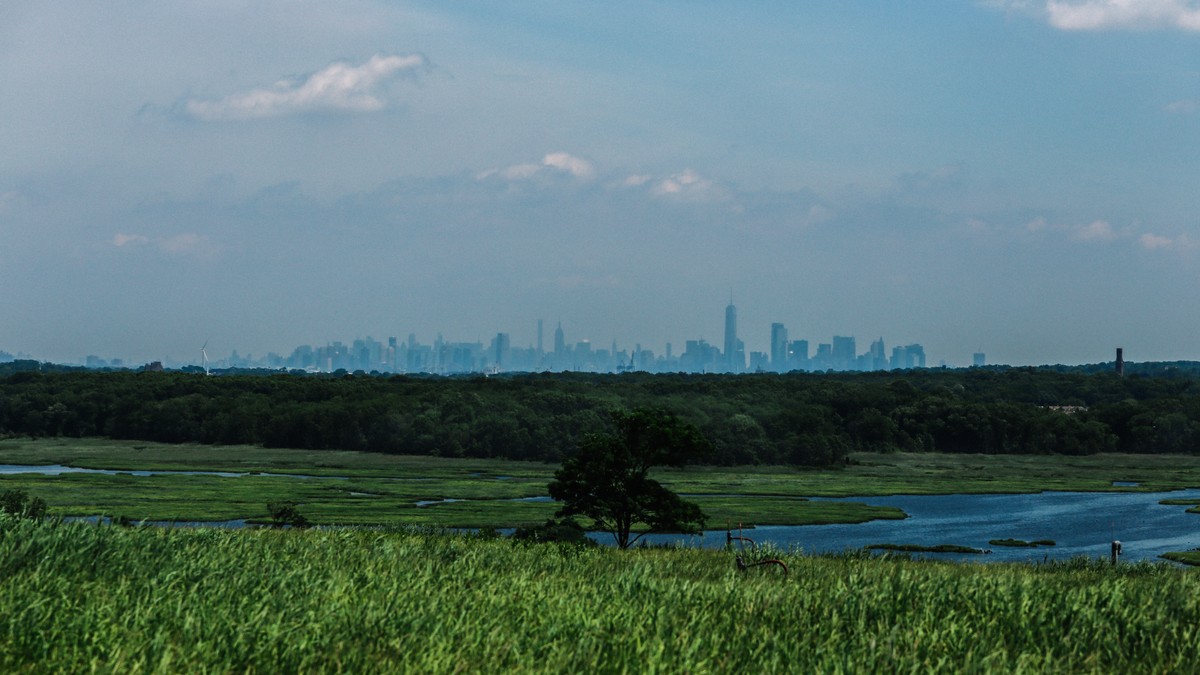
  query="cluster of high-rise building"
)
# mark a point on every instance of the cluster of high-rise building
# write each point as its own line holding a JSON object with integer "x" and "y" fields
{"x": 787, "y": 355}
{"x": 500, "y": 355}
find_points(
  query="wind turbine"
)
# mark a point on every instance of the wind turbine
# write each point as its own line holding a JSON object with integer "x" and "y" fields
{"x": 204, "y": 356}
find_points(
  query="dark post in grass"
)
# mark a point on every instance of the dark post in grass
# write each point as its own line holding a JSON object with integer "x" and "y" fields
{"x": 1116, "y": 551}
{"x": 742, "y": 565}
{"x": 730, "y": 538}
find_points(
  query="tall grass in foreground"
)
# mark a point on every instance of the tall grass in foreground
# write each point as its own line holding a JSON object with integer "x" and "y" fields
{"x": 80, "y": 598}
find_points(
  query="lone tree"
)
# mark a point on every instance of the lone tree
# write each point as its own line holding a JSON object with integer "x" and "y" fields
{"x": 17, "y": 504}
{"x": 607, "y": 480}
{"x": 286, "y": 514}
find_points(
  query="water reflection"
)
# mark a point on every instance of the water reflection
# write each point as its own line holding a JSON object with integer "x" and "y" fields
{"x": 59, "y": 469}
{"x": 1082, "y": 523}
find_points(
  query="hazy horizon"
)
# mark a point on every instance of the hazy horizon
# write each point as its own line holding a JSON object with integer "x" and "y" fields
{"x": 1016, "y": 177}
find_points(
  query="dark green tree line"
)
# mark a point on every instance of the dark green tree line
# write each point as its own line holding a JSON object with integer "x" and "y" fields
{"x": 798, "y": 418}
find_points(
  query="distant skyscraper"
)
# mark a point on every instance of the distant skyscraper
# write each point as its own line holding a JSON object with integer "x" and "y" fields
{"x": 501, "y": 348}
{"x": 560, "y": 343}
{"x": 978, "y": 359}
{"x": 779, "y": 348}
{"x": 731, "y": 341}
{"x": 823, "y": 359}
{"x": 909, "y": 356}
{"x": 878, "y": 356}
{"x": 539, "y": 337}
{"x": 582, "y": 356}
{"x": 844, "y": 352}
{"x": 918, "y": 353}
{"x": 758, "y": 362}
{"x": 799, "y": 355}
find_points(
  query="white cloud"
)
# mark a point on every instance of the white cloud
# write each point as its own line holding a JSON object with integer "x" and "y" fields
{"x": 188, "y": 243}
{"x": 520, "y": 171}
{"x": 1119, "y": 14}
{"x": 687, "y": 184}
{"x": 566, "y": 163}
{"x": 575, "y": 166}
{"x": 1153, "y": 241}
{"x": 978, "y": 225}
{"x": 337, "y": 87}
{"x": 636, "y": 180}
{"x": 818, "y": 214}
{"x": 1100, "y": 231}
{"x": 1080, "y": 15}
{"x": 1183, "y": 107}
{"x": 120, "y": 239}
{"x": 558, "y": 161}
{"x": 1097, "y": 230}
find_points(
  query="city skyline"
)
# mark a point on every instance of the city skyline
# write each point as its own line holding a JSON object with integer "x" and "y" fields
{"x": 1012, "y": 177}
{"x": 781, "y": 354}
{"x": 448, "y": 356}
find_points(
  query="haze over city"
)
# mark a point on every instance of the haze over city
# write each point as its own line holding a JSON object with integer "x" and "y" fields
{"x": 1008, "y": 176}
{"x": 554, "y": 353}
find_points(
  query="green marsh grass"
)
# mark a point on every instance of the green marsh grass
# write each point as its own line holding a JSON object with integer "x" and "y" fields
{"x": 85, "y": 598}
{"x": 919, "y": 548}
{"x": 1021, "y": 543}
{"x": 382, "y": 489}
{"x": 1184, "y": 557}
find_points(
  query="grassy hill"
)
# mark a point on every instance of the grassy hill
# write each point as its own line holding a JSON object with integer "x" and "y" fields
{"x": 99, "y": 598}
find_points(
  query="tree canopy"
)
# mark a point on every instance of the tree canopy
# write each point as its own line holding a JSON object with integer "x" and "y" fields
{"x": 813, "y": 419}
{"x": 608, "y": 480}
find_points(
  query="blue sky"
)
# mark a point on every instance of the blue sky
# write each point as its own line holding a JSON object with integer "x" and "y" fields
{"x": 1013, "y": 176}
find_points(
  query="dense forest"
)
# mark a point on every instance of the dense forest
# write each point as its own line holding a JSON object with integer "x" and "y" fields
{"x": 796, "y": 418}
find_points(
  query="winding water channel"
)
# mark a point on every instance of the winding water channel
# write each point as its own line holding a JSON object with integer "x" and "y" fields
{"x": 1080, "y": 523}
{"x": 59, "y": 469}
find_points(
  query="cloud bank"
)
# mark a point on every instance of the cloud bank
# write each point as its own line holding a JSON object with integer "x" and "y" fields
{"x": 687, "y": 185}
{"x": 561, "y": 162}
{"x": 1183, "y": 107}
{"x": 572, "y": 165}
{"x": 1153, "y": 242}
{"x": 1099, "y": 15}
{"x": 187, "y": 244}
{"x": 339, "y": 87}
{"x": 1102, "y": 232}
{"x": 1124, "y": 14}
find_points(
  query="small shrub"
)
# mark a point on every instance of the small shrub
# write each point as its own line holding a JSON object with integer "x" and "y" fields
{"x": 285, "y": 514}
{"x": 17, "y": 504}
{"x": 559, "y": 531}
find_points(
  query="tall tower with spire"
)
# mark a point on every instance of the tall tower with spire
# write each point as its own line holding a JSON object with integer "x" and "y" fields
{"x": 731, "y": 340}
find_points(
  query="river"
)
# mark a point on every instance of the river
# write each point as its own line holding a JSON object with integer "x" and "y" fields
{"x": 1081, "y": 523}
